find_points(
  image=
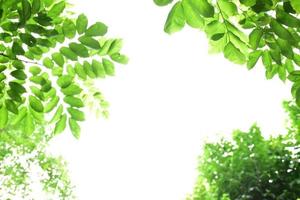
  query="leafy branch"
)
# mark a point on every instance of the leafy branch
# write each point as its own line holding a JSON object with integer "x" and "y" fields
{"x": 50, "y": 59}
{"x": 246, "y": 32}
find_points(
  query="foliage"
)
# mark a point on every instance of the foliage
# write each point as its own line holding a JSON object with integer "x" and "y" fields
{"x": 250, "y": 166}
{"x": 24, "y": 164}
{"x": 49, "y": 61}
{"x": 246, "y": 31}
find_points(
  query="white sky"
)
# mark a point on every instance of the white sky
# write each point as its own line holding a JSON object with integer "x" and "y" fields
{"x": 164, "y": 103}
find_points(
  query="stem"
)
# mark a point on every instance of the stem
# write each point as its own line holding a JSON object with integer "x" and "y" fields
{"x": 225, "y": 22}
{"x": 25, "y": 61}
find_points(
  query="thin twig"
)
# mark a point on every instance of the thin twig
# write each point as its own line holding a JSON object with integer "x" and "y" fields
{"x": 25, "y": 61}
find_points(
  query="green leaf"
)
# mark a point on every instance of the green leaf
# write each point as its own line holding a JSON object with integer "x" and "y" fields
{"x": 71, "y": 90}
{"x": 26, "y": 11}
{"x": 36, "y": 5}
{"x": 98, "y": 69}
{"x": 289, "y": 65}
{"x": 267, "y": 60}
{"x": 234, "y": 54}
{"x": 109, "y": 67}
{"x": 248, "y": 2}
{"x": 2, "y": 68}
{"x": 287, "y": 19}
{"x": 64, "y": 81}
{"x": 253, "y": 58}
{"x": 214, "y": 28}
{"x": 17, "y": 49}
{"x": 37, "y": 92}
{"x": 255, "y": 37}
{"x": 288, "y": 7}
{"x": 9, "y": 26}
{"x": 192, "y": 16}
{"x": 11, "y": 106}
{"x": 270, "y": 73}
{"x": 19, "y": 74}
{"x": 97, "y": 29}
{"x": 88, "y": 69}
{"x": 294, "y": 76}
{"x": 296, "y": 5}
{"x": 56, "y": 9}
{"x": 34, "y": 28}
{"x": 70, "y": 70}
{"x": 14, "y": 96}
{"x": 122, "y": 59}
{"x": 228, "y": 7}
{"x": 81, "y": 23}
{"x": 38, "y": 80}
{"x": 80, "y": 71}
{"x": 36, "y": 104}
{"x": 2, "y": 77}
{"x": 75, "y": 128}
{"x": 45, "y": 42}
{"x": 89, "y": 42}
{"x": 276, "y": 56}
{"x": 115, "y": 47}
{"x": 17, "y": 87}
{"x": 176, "y": 19}
{"x": 281, "y": 73}
{"x": 44, "y": 20}
{"x": 28, "y": 39}
{"x": 281, "y": 31}
{"x": 74, "y": 101}
{"x": 60, "y": 125}
{"x": 79, "y": 49}
{"x": 217, "y": 36}
{"x": 68, "y": 53}
{"x": 58, "y": 59}
{"x": 76, "y": 114}
{"x": 69, "y": 29}
{"x": 52, "y": 104}
{"x": 162, "y": 2}
{"x": 203, "y": 7}
{"x": 18, "y": 64}
{"x": 3, "y": 117}
{"x": 47, "y": 62}
{"x": 57, "y": 71}
{"x": 285, "y": 48}
{"x": 296, "y": 59}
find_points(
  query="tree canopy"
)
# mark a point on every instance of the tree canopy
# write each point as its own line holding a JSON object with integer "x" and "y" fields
{"x": 250, "y": 167}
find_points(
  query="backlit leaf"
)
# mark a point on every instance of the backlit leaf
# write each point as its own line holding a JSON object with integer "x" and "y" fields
{"x": 81, "y": 23}
{"x": 234, "y": 54}
{"x": 97, "y": 29}
{"x": 176, "y": 19}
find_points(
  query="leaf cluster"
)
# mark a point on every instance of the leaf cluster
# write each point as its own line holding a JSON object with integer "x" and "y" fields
{"x": 250, "y": 166}
{"x": 49, "y": 61}
{"x": 46, "y": 57}
{"x": 246, "y": 31}
{"x": 24, "y": 163}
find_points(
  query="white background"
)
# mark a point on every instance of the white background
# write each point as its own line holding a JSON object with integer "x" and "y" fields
{"x": 164, "y": 104}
